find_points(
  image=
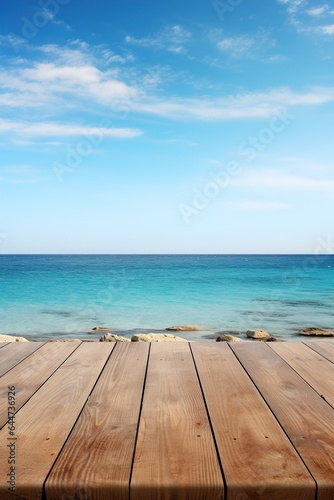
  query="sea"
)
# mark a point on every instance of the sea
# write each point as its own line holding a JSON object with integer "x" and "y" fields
{"x": 66, "y": 296}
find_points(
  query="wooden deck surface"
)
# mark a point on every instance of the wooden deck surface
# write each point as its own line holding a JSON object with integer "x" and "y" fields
{"x": 188, "y": 421}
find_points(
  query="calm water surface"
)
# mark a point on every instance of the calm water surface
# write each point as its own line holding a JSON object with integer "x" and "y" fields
{"x": 46, "y": 296}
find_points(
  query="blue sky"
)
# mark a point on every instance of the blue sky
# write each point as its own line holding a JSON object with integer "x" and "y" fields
{"x": 134, "y": 126}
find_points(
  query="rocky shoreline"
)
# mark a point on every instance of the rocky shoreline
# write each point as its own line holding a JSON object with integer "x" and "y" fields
{"x": 223, "y": 336}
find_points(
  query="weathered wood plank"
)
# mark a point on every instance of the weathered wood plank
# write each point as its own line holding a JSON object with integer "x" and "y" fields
{"x": 175, "y": 455}
{"x": 14, "y": 353}
{"x": 305, "y": 417}
{"x": 45, "y": 421}
{"x": 257, "y": 457}
{"x": 311, "y": 366}
{"x": 31, "y": 373}
{"x": 326, "y": 349}
{"x": 97, "y": 458}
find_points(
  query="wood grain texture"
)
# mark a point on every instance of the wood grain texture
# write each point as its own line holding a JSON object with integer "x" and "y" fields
{"x": 311, "y": 366}
{"x": 175, "y": 454}
{"x": 31, "y": 373}
{"x": 14, "y": 353}
{"x": 326, "y": 349}
{"x": 97, "y": 457}
{"x": 258, "y": 459}
{"x": 306, "y": 418}
{"x": 45, "y": 421}
{"x": 84, "y": 417}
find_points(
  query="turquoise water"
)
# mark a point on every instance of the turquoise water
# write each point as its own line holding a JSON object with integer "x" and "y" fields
{"x": 46, "y": 296}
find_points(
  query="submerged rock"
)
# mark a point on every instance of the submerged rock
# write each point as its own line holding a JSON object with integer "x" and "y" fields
{"x": 100, "y": 329}
{"x": 184, "y": 328}
{"x": 257, "y": 334}
{"x": 317, "y": 332}
{"x": 12, "y": 338}
{"x": 227, "y": 338}
{"x": 110, "y": 337}
{"x": 156, "y": 337}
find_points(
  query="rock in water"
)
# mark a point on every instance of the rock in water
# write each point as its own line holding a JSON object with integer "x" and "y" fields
{"x": 227, "y": 338}
{"x": 184, "y": 328}
{"x": 257, "y": 334}
{"x": 317, "y": 332}
{"x": 11, "y": 338}
{"x": 100, "y": 329}
{"x": 110, "y": 337}
{"x": 156, "y": 337}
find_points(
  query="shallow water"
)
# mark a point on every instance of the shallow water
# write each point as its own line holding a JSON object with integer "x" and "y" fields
{"x": 48, "y": 296}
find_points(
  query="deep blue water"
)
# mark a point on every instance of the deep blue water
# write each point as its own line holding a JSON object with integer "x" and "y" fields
{"x": 66, "y": 295}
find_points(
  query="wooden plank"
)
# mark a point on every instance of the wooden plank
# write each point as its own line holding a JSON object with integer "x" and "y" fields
{"x": 43, "y": 424}
{"x": 175, "y": 455}
{"x": 31, "y": 373}
{"x": 257, "y": 457}
{"x": 326, "y": 349}
{"x": 15, "y": 352}
{"x": 306, "y": 418}
{"x": 101, "y": 446}
{"x": 314, "y": 368}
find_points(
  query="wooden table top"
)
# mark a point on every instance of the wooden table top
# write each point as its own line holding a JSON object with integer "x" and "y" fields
{"x": 188, "y": 421}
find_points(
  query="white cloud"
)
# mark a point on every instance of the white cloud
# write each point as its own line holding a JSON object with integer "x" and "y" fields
{"x": 48, "y": 86}
{"x": 75, "y": 53}
{"x": 16, "y": 42}
{"x": 308, "y": 20}
{"x": 50, "y": 17}
{"x": 327, "y": 30}
{"x": 51, "y": 84}
{"x": 317, "y": 11}
{"x": 79, "y": 53}
{"x": 172, "y": 38}
{"x": 66, "y": 75}
{"x": 255, "y": 46}
{"x": 293, "y": 5}
{"x": 237, "y": 46}
{"x": 49, "y": 129}
{"x": 251, "y": 105}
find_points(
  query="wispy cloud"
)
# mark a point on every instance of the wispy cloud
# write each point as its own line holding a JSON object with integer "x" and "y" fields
{"x": 49, "y": 129}
{"x": 327, "y": 30}
{"x": 237, "y": 46}
{"x": 69, "y": 82}
{"x": 50, "y": 17}
{"x": 12, "y": 40}
{"x": 239, "y": 106}
{"x": 246, "y": 46}
{"x": 309, "y": 20}
{"x": 293, "y": 5}
{"x": 259, "y": 46}
{"x": 172, "y": 38}
{"x": 317, "y": 11}
{"x": 50, "y": 85}
{"x": 80, "y": 53}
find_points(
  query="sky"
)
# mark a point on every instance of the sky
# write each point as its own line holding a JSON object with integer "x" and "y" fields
{"x": 132, "y": 126}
